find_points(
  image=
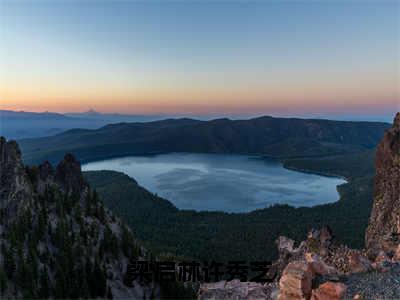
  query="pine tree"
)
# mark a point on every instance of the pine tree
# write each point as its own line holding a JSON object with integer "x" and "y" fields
{"x": 3, "y": 282}
{"x": 95, "y": 197}
{"x": 88, "y": 204}
{"x": 25, "y": 279}
{"x": 32, "y": 261}
{"x": 42, "y": 222}
{"x": 98, "y": 281}
{"x": 109, "y": 293}
{"x": 84, "y": 286}
{"x": 9, "y": 262}
{"x": 126, "y": 241}
{"x": 101, "y": 214}
{"x": 44, "y": 291}
{"x": 61, "y": 287}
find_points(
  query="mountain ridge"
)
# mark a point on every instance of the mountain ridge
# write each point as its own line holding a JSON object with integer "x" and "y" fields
{"x": 275, "y": 137}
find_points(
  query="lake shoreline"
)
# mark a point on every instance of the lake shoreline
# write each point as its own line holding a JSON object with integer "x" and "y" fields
{"x": 261, "y": 157}
{"x": 226, "y": 182}
{"x": 308, "y": 171}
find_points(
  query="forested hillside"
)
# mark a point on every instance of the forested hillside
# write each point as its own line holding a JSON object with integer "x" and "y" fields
{"x": 276, "y": 137}
{"x": 57, "y": 239}
{"x": 249, "y": 236}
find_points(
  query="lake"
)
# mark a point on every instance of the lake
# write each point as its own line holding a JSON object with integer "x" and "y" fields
{"x": 230, "y": 183}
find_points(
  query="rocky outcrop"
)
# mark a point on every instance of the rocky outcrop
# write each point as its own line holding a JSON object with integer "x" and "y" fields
{"x": 329, "y": 291}
{"x": 319, "y": 266}
{"x": 383, "y": 232}
{"x": 46, "y": 171}
{"x": 69, "y": 174}
{"x": 14, "y": 185}
{"x": 296, "y": 281}
{"x": 45, "y": 177}
{"x": 318, "y": 270}
{"x": 53, "y": 227}
{"x": 287, "y": 253}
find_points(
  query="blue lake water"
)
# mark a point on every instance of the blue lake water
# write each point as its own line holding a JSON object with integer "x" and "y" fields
{"x": 231, "y": 183}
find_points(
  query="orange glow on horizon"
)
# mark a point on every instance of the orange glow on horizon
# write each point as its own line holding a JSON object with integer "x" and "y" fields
{"x": 298, "y": 97}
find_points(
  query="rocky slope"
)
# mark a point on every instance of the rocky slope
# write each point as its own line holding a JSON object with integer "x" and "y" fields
{"x": 56, "y": 237}
{"x": 318, "y": 269}
{"x": 383, "y": 232}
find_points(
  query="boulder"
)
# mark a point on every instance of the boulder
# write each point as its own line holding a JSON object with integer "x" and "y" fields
{"x": 296, "y": 281}
{"x": 319, "y": 266}
{"x": 329, "y": 291}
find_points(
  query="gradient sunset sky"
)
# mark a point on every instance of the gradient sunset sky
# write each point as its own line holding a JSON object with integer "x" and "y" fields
{"x": 227, "y": 57}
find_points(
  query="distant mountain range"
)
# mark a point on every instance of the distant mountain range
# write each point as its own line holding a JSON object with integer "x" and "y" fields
{"x": 21, "y": 124}
{"x": 275, "y": 137}
{"x": 114, "y": 117}
{"x": 30, "y": 115}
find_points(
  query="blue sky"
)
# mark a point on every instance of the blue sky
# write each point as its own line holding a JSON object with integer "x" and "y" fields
{"x": 201, "y": 57}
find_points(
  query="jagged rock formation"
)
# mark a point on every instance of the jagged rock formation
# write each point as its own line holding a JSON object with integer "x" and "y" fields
{"x": 383, "y": 232}
{"x": 14, "y": 186}
{"x": 68, "y": 174}
{"x": 56, "y": 237}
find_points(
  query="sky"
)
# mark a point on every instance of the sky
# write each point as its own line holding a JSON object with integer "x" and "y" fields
{"x": 201, "y": 57}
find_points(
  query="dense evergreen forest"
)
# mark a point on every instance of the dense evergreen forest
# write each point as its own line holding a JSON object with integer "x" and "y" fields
{"x": 249, "y": 236}
{"x": 57, "y": 248}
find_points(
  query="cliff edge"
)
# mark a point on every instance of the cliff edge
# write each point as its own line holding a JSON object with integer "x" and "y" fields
{"x": 383, "y": 232}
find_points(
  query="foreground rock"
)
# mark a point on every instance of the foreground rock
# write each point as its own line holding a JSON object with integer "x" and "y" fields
{"x": 329, "y": 291}
{"x": 296, "y": 281}
{"x": 237, "y": 290}
{"x": 319, "y": 266}
{"x": 383, "y": 232}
